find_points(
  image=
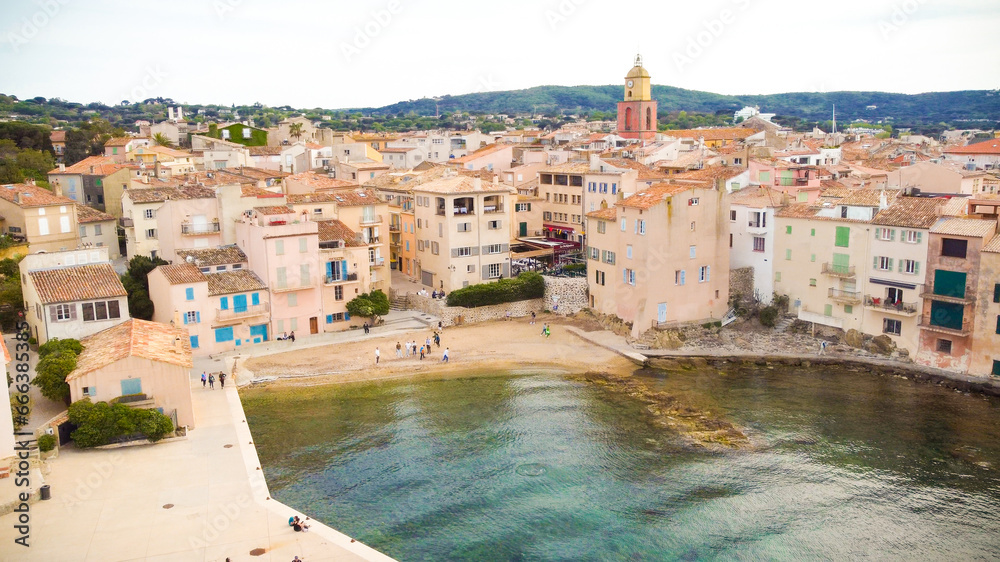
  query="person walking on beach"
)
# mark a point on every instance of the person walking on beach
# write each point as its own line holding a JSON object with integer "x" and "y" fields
{"x": 421, "y": 353}
{"x": 507, "y": 316}
{"x": 376, "y": 355}
{"x": 291, "y": 336}
{"x": 545, "y": 328}
{"x": 444, "y": 356}
{"x": 399, "y": 350}
{"x": 222, "y": 380}
{"x": 204, "y": 379}
{"x": 407, "y": 349}
{"x": 548, "y": 332}
{"x": 211, "y": 382}
{"x": 532, "y": 316}
{"x": 427, "y": 344}
{"x": 822, "y": 347}
{"x": 437, "y": 340}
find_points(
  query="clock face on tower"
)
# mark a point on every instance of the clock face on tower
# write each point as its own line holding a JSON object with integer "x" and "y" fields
{"x": 630, "y": 83}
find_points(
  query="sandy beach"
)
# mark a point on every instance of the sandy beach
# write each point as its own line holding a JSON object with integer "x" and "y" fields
{"x": 478, "y": 348}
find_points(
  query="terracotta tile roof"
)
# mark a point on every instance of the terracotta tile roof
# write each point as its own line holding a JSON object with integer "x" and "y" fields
{"x": 77, "y": 283}
{"x": 274, "y": 210}
{"x": 398, "y": 149}
{"x": 181, "y": 273}
{"x": 264, "y": 150}
{"x": 32, "y": 196}
{"x": 993, "y": 246}
{"x": 366, "y": 165}
{"x": 223, "y": 255}
{"x": 256, "y": 173}
{"x": 912, "y": 212}
{"x": 484, "y": 151}
{"x": 837, "y": 192}
{"x": 254, "y": 191}
{"x": 964, "y": 227}
{"x": 991, "y": 146}
{"x": 157, "y": 194}
{"x": 461, "y": 184}
{"x": 722, "y": 133}
{"x": 331, "y": 230}
{"x": 165, "y": 150}
{"x": 609, "y": 214}
{"x": 58, "y": 136}
{"x": 757, "y": 197}
{"x": 314, "y": 197}
{"x": 651, "y": 196}
{"x": 314, "y": 146}
{"x": 91, "y": 165}
{"x": 239, "y": 281}
{"x": 119, "y": 141}
{"x": 320, "y": 181}
{"x": 797, "y": 211}
{"x": 356, "y": 197}
{"x": 645, "y": 172}
{"x": 710, "y": 173}
{"x": 568, "y": 168}
{"x": 138, "y": 338}
{"x": 955, "y": 207}
{"x": 868, "y": 197}
{"x": 86, "y": 215}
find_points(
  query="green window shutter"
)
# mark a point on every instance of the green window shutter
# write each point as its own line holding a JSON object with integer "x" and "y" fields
{"x": 998, "y": 324}
{"x": 812, "y": 257}
{"x": 788, "y": 229}
{"x": 892, "y": 235}
{"x": 916, "y": 268}
{"x": 777, "y": 276}
{"x": 890, "y": 265}
{"x": 828, "y": 310}
{"x": 788, "y": 254}
{"x": 843, "y": 236}
{"x": 949, "y": 283}
{"x": 875, "y": 262}
{"x": 848, "y": 309}
{"x": 899, "y": 268}
{"x": 813, "y": 233}
{"x": 996, "y": 367}
{"x": 996, "y": 292}
{"x": 920, "y": 236}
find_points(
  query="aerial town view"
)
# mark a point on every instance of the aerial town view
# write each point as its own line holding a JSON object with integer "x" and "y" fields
{"x": 550, "y": 280}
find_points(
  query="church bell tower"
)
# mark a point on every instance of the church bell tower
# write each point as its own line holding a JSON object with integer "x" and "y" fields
{"x": 637, "y": 111}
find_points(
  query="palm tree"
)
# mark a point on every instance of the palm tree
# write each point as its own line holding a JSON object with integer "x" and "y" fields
{"x": 295, "y": 129}
{"x": 161, "y": 140}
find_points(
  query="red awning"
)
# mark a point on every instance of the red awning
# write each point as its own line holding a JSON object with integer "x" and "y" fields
{"x": 553, "y": 227}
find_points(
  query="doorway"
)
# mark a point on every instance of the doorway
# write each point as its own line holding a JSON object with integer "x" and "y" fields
{"x": 314, "y": 325}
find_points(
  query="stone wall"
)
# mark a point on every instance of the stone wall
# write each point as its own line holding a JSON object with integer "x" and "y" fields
{"x": 569, "y": 293}
{"x": 741, "y": 282}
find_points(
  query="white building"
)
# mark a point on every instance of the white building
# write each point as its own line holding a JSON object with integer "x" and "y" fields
{"x": 751, "y": 235}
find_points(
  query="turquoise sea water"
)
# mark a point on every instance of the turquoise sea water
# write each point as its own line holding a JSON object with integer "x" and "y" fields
{"x": 536, "y": 467}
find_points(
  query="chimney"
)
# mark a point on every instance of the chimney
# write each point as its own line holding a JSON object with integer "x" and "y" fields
{"x": 156, "y": 168}
{"x": 62, "y": 167}
{"x": 882, "y": 200}
{"x": 29, "y": 181}
{"x": 180, "y": 113}
{"x": 478, "y": 183}
{"x": 170, "y": 113}
{"x": 178, "y": 345}
{"x": 17, "y": 197}
{"x": 57, "y": 188}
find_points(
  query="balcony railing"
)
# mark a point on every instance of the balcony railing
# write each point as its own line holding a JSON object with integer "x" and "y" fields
{"x": 126, "y": 222}
{"x": 394, "y": 228}
{"x": 377, "y": 263}
{"x": 371, "y": 219}
{"x": 838, "y": 270}
{"x": 373, "y": 240}
{"x": 193, "y": 229}
{"x": 965, "y": 331}
{"x": 236, "y": 313}
{"x": 333, "y": 280}
{"x": 489, "y": 209}
{"x": 288, "y": 288}
{"x": 898, "y": 308}
{"x": 967, "y": 299}
{"x": 849, "y": 297}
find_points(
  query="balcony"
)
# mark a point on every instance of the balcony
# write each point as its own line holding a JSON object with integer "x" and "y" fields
{"x": 846, "y": 297}
{"x": 372, "y": 240}
{"x": 944, "y": 298}
{"x": 755, "y": 227}
{"x": 331, "y": 280}
{"x": 964, "y": 332}
{"x": 897, "y": 309}
{"x": 189, "y": 228}
{"x": 371, "y": 219}
{"x": 287, "y": 288}
{"x": 379, "y": 262}
{"x": 394, "y": 228}
{"x": 126, "y": 222}
{"x": 490, "y": 209}
{"x": 845, "y": 271}
{"x": 238, "y": 313}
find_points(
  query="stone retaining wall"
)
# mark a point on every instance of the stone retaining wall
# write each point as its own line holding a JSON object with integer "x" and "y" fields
{"x": 741, "y": 282}
{"x": 569, "y": 293}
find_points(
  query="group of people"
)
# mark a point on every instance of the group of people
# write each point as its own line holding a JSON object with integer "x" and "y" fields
{"x": 298, "y": 524}
{"x": 435, "y": 294}
{"x": 287, "y": 336}
{"x": 410, "y": 349}
{"x": 210, "y": 379}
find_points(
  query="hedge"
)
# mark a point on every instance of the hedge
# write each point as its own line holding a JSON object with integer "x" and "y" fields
{"x": 526, "y": 286}
{"x": 103, "y": 423}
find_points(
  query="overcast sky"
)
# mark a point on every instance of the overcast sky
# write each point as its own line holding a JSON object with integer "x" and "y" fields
{"x": 336, "y": 54}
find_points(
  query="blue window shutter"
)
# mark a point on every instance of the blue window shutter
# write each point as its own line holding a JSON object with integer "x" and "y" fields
{"x": 329, "y": 319}
{"x": 347, "y": 316}
{"x": 255, "y": 298}
{"x": 194, "y": 342}
{"x": 329, "y": 269}
{"x": 189, "y": 293}
{"x": 185, "y": 318}
{"x": 197, "y": 316}
{"x": 343, "y": 268}
{"x": 625, "y": 276}
{"x": 224, "y": 303}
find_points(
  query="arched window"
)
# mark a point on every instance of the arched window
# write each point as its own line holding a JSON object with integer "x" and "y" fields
{"x": 630, "y": 94}
{"x": 628, "y": 118}
{"x": 649, "y": 118}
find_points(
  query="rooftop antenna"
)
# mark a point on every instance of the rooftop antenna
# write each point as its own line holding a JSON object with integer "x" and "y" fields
{"x": 834, "y": 118}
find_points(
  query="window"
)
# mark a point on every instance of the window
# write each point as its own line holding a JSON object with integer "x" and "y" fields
{"x": 679, "y": 277}
{"x": 954, "y": 247}
{"x": 886, "y": 234}
{"x": 623, "y": 225}
{"x": 293, "y": 299}
{"x": 788, "y": 254}
{"x": 149, "y": 213}
{"x": 949, "y": 283}
{"x": 704, "y": 273}
{"x": 470, "y": 268}
{"x": 192, "y": 317}
{"x": 338, "y": 293}
{"x": 101, "y": 310}
{"x": 237, "y": 266}
{"x": 777, "y": 276}
{"x": 892, "y": 327}
{"x": 911, "y": 266}
{"x": 224, "y": 334}
{"x": 83, "y": 232}
{"x": 812, "y": 257}
{"x": 628, "y": 276}
{"x": 601, "y": 227}
{"x": 947, "y": 315}
{"x": 944, "y": 346}
{"x": 628, "y": 251}
{"x": 640, "y": 226}
{"x": 812, "y": 282}
{"x": 812, "y": 232}
{"x": 97, "y": 230}
{"x": 788, "y": 229}
{"x": 732, "y": 215}
{"x": 692, "y": 252}
{"x": 494, "y": 270}
{"x": 493, "y": 249}
{"x": 692, "y": 201}
{"x": 194, "y": 342}
{"x": 463, "y": 252}
{"x": 493, "y": 225}
{"x": 996, "y": 292}
{"x": 225, "y": 136}
{"x": 90, "y": 391}
{"x": 609, "y": 257}
{"x": 692, "y": 226}
{"x": 996, "y": 368}
{"x": 63, "y": 312}
{"x": 464, "y": 226}
{"x": 150, "y": 233}
{"x": 843, "y": 236}
{"x": 246, "y": 132}
{"x": 883, "y": 263}
{"x": 336, "y": 317}
{"x": 279, "y": 247}
{"x": 599, "y": 277}
{"x": 189, "y": 294}
{"x": 912, "y": 236}
{"x": 435, "y": 248}
{"x": 848, "y": 309}
{"x": 547, "y": 216}
{"x": 303, "y": 245}
{"x": 220, "y": 268}
{"x": 758, "y": 243}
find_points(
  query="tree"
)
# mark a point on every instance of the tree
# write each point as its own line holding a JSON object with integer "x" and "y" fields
{"x": 50, "y": 375}
{"x": 370, "y": 305}
{"x": 295, "y": 130}
{"x": 161, "y": 140}
{"x": 11, "y": 298}
{"x": 35, "y": 164}
{"x": 136, "y": 284}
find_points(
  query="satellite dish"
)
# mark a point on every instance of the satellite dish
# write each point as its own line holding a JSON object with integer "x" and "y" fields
{"x": 189, "y": 259}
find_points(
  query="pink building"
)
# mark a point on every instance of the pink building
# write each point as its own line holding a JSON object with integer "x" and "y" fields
{"x": 495, "y": 158}
{"x": 282, "y": 248}
{"x": 346, "y": 273}
{"x": 800, "y": 181}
